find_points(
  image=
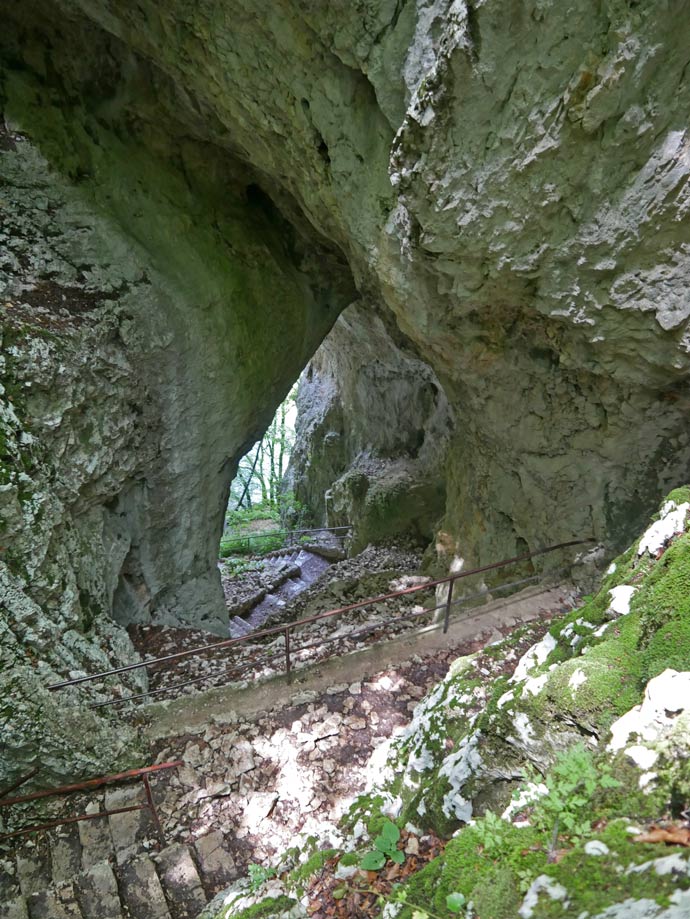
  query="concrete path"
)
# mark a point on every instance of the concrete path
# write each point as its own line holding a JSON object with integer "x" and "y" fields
{"x": 190, "y": 714}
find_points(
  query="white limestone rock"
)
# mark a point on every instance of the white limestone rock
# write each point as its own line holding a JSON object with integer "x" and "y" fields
{"x": 671, "y": 521}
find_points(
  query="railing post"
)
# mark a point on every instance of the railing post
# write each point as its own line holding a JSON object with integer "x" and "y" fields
{"x": 287, "y": 651}
{"x": 152, "y": 808}
{"x": 446, "y": 618}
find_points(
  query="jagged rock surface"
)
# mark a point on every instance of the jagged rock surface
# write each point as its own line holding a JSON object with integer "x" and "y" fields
{"x": 112, "y": 868}
{"x": 215, "y": 184}
{"x": 556, "y": 771}
{"x": 372, "y": 431}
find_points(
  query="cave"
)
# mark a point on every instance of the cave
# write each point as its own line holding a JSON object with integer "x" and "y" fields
{"x": 464, "y": 224}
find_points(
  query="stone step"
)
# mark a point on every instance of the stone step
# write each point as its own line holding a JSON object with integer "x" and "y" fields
{"x": 97, "y": 893}
{"x": 96, "y": 841}
{"x": 33, "y": 867}
{"x": 181, "y": 882}
{"x": 57, "y": 903}
{"x": 65, "y": 853}
{"x": 216, "y": 865}
{"x": 9, "y": 882}
{"x": 129, "y": 831}
{"x": 96, "y": 870}
{"x": 14, "y": 909}
{"x": 239, "y": 627}
{"x": 142, "y": 891}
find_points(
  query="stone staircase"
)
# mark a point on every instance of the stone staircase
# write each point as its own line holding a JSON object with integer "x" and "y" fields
{"x": 111, "y": 868}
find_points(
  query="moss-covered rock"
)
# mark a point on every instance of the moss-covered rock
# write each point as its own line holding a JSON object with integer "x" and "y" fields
{"x": 541, "y": 779}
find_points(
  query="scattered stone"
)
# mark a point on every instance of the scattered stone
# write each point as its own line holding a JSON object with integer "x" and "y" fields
{"x": 596, "y": 847}
{"x": 412, "y": 846}
{"x": 259, "y": 805}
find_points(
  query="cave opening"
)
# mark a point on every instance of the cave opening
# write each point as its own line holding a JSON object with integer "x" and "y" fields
{"x": 261, "y": 502}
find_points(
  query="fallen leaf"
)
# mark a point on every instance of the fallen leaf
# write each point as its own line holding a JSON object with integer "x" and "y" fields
{"x": 672, "y": 835}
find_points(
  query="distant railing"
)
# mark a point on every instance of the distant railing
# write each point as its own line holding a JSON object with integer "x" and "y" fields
{"x": 88, "y": 785}
{"x": 290, "y": 627}
{"x": 285, "y": 538}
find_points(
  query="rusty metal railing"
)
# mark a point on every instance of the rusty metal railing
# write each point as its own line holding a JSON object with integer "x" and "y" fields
{"x": 88, "y": 785}
{"x": 290, "y": 537}
{"x": 19, "y": 782}
{"x": 288, "y": 628}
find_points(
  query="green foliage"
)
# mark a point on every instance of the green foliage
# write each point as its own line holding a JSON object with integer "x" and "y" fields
{"x": 368, "y": 809}
{"x": 238, "y": 518}
{"x": 241, "y": 538}
{"x": 492, "y": 832}
{"x": 258, "y": 875}
{"x": 385, "y": 847}
{"x": 250, "y": 545}
{"x": 236, "y": 564}
{"x": 261, "y": 471}
{"x": 572, "y": 782}
{"x": 455, "y": 902}
{"x": 293, "y": 513}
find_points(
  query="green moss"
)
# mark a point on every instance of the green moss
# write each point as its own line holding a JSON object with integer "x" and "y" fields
{"x": 349, "y": 859}
{"x": 595, "y": 882}
{"x": 491, "y": 711}
{"x": 613, "y": 681}
{"x": 494, "y": 873}
{"x": 627, "y": 568}
{"x": 498, "y": 896}
{"x": 663, "y": 603}
{"x": 628, "y": 799}
{"x": 679, "y": 495}
{"x": 271, "y": 906}
{"x": 468, "y": 865}
{"x": 313, "y": 864}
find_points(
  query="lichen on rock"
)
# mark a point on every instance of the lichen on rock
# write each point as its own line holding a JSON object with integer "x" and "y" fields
{"x": 536, "y": 782}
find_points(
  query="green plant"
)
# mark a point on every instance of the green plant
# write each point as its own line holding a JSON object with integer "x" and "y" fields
{"x": 385, "y": 846}
{"x": 492, "y": 832}
{"x": 250, "y": 545}
{"x": 455, "y": 902}
{"x": 293, "y": 513}
{"x": 258, "y": 875}
{"x": 572, "y": 782}
{"x": 234, "y": 565}
{"x": 242, "y": 516}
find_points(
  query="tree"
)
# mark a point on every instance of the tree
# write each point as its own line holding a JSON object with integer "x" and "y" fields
{"x": 261, "y": 470}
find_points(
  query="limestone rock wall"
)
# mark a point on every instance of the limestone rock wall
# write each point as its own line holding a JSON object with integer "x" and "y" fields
{"x": 372, "y": 432}
{"x": 536, "y": 253}
{"x": 210, "y": 185}
{"x": 131, "y": 378}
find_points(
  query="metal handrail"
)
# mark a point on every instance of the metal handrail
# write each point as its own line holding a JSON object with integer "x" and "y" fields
{"x": 252, "y": 664}
{"x": 287, "y": 628}
{"x": 88, "y": 785}
{"x": 285, "y": 535}
{"x": 270, "y": 533}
